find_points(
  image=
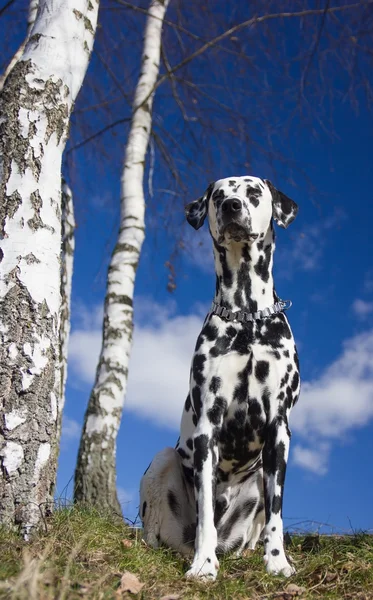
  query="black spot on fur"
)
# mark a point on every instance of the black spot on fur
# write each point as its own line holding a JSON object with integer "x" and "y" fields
{"x": 210, "y": 332}
{"x": 197, "y": 401}
{"x": 188, "y": 474}
{"x": 215, "y": 384}
{"x": 262, "y": 266}
{"x": 262, "y": 370}
{"x": 274, "y": 332}
{"x": 295, "y": 382}
{"x": 273, "y": 528}
{"x": 183, "y": 454}
{"x": 189, "y": 534}
{"x": 173, "y": 503}
{"x": 200, "y": 451}
{"x": 275, "y": 552}
{"x": 216, "y": 413}
{"x": 143, "y": 511}
{"x": 198, "y": 364}
{"x": 248, "y": 507}
{"x": 220, "y": 508}
{"x": 224, "y": 532}
{"x": 189, "y": 443}
{"x": 222, "y": 345}
{"x": 243, "y": 340}
{"x": 276, "y": 504}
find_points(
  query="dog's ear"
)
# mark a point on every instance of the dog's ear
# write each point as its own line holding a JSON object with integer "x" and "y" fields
{"x": 196, "y": 211}
{"x": 284, "y": 209}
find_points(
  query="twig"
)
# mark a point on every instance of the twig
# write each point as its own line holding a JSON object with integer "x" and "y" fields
{"x": 97, "y": 134}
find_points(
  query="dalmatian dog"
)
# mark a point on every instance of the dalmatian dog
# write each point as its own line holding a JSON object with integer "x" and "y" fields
{"x": 221, "y": 488}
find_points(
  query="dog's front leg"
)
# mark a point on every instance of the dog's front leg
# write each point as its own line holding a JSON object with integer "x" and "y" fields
{"x": 205, "y": 563}
{"x": 275, "y": 455}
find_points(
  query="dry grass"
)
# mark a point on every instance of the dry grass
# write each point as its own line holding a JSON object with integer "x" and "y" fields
{"x": 84, "y": 554}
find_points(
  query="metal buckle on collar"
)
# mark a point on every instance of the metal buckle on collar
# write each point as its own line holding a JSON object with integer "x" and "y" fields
{"x": 228, "y": 314}
{"x": 285, "y": 304}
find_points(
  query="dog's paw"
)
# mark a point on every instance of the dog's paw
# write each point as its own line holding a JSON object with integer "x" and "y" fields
{"x": 278, "y": 565}
{"x": 203, "y": 567}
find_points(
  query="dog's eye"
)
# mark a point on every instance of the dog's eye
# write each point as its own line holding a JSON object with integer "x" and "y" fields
{"x": 254, "y": 200}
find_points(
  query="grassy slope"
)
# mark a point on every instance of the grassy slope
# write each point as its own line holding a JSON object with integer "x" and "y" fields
{"x": 83, "y": 554}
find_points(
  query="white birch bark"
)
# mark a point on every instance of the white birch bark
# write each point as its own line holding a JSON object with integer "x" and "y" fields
{"x": 95, "y": 475}
{"x": 35, "y": 107}
{"x": 67, "y": 264}
{"x": 33, "y": 8}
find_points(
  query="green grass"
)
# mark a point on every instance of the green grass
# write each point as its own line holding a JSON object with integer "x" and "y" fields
{"x": 83, "y": 555}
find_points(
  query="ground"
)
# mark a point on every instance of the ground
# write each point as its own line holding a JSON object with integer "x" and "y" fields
{"x": 84, "y": 554}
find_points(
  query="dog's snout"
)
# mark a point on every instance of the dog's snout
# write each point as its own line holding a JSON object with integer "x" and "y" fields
{"x": 232, "y": 205}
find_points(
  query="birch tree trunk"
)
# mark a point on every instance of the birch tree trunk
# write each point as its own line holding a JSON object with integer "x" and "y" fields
{"x": 33, "y": 8}
{"x": 95, "y": 475}
{"x": 35, "y": 107}
{"x": 67, "y": 263}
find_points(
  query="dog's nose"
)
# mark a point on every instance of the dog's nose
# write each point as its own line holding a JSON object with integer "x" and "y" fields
{"x": 232, "y": 205}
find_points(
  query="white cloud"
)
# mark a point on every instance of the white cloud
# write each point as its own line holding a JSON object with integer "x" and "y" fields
{"x": 160, "y": 360}
{"x": 312, "y": 459}
{"x": 330, "y": 406}
{"x": 342, "y": 397}
{"x": 159, "y": 369}
{"x": 70, "y": 429}
{"x": 362, "y": 308}
{"x": 336, "y": 403}
{"x": 306, "y": 248}
{"x": 84, "y": 350}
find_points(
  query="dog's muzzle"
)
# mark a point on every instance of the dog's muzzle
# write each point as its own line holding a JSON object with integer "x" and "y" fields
{"x": 235, "y": 225}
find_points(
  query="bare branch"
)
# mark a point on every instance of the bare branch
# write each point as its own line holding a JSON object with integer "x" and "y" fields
{"x": 98, "y": 133}
{"x": 4, "y": 8}
{"x": 250, "y": 22}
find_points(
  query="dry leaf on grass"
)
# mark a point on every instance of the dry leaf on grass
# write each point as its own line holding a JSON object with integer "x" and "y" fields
{"x": 127, "y": 543}
{"x": 129, "y": 583}
{"x": 329, "y": 577}
{"x": 171, "y": 597}
{"x": 294, "y": 590}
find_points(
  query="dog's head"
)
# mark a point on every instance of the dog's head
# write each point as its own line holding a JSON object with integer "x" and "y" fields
{"x": 240, "y": 209}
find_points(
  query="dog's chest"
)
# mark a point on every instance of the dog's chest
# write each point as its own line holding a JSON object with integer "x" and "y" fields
{"x": 241, "y": 374}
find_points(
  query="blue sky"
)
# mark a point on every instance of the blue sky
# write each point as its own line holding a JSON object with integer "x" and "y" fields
{"x": 318, "y": 151}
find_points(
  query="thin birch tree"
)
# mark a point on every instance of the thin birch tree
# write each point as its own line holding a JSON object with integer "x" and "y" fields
{"x": 35, "y": 107}
{"x": 95, "y": 475}
{"x": 67, "y": 260}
